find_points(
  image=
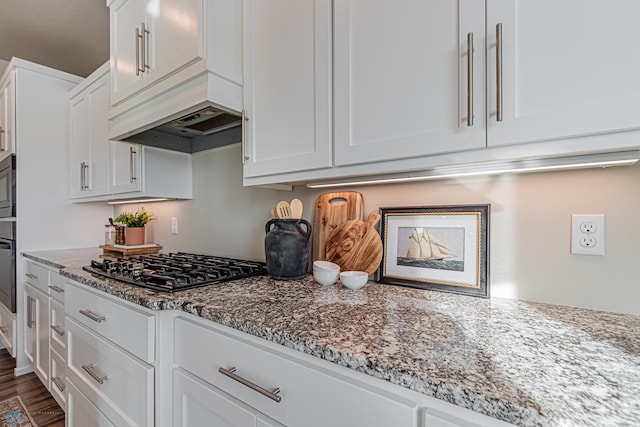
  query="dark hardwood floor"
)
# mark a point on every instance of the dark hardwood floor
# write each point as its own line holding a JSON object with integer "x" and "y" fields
{"x": 41, "y": 405}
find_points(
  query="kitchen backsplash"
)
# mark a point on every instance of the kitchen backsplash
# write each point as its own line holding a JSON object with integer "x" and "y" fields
{"x": 529, "y": 225}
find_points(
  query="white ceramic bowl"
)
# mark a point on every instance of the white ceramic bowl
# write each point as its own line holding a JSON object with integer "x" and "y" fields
{"x": 354, "y": 279}
{"x": 325, "y": 277}
{"x": 325, "y": 265}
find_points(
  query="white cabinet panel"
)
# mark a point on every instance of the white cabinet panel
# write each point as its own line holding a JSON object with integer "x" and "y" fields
{"x": 198, "y": 404}
{"x": 287, "y": 86}
{"x": 7, "y": 117}
{"x": 401, "y": 82}
{"x": 36, "y": 346}
{"x": 126, "y": 165}
{"x": 58, "y": 379}
{"x": 8, "y": 329}
{"x": 89, "y": 146}
{"x": 82, "y": 413}
{"x": 574, "y": 75}
{"x": 120, "y": 385}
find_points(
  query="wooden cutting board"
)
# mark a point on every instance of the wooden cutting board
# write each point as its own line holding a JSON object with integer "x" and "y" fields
{"x": 333, "y": 209}
{"x": 356, "y": 245}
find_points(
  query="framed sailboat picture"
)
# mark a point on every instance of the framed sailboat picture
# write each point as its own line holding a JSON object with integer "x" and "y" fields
{"x": 443, "y": 248}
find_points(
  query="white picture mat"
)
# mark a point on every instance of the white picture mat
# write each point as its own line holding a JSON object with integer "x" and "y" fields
{"x": 470, "y": 223}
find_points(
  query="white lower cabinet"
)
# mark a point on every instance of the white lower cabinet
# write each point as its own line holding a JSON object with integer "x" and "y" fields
{"x": 252, "y": 375}
{"x": 7, "y": 329}
{"x": 196, "y": 403}
{"x": 106, "y": 344}
{"x": 37, "y": 331}
{"x": 81, "y": 412}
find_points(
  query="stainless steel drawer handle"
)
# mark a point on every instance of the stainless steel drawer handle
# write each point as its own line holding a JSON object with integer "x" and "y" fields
{"x": 91, "y": 315}
{"x": 31, "y": 276}
{"x": 58, "y": 330}
{"x": 3, "y": 329}
{"x": 56, "y": 288}
{"x": 91, "y": 370}
{"x": 470, "y": 51}
{"x": 58, "y": 382}
{"x": 499, "y": 104}
{"x": 271, "y": 394}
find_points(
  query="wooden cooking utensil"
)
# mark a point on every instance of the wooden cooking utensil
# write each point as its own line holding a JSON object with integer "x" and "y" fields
{"x": 296, "y": 208}
{"x": 333, "y": 209}
{"x": 274, "y": 213}
{"x": 356, "y": 245}
{"x": 283, "y": 210}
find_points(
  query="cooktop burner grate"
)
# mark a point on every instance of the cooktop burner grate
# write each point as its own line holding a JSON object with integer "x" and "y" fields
{"x": 175, "y": 271}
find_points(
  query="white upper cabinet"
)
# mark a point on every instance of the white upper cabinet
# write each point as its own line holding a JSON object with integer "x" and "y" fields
{"x": 7, "y": 109}
{"x": 126, "y": 165}
{"x": 287, "y": 86}
{"x": 402, "y": 87}
{"x": 152, "y": 39}
{"x": 569, "y": 69}
{"x": 89, "y": 145}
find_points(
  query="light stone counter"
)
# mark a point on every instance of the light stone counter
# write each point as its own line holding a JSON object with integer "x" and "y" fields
{"x": 522, "y": 362}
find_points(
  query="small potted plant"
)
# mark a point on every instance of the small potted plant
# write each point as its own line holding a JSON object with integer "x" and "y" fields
{"x": 135, "y": 222}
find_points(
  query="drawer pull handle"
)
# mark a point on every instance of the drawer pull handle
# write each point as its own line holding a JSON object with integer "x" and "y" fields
{"x": 91, "y": 315}
{"x": 271, "y": 394}
{"x": 58, "y": 382}
{"x": 90, "y": 369}
{"x": 58, "y": 330}
{"x": 3, "y": 329}
{"x": 56, "y": 288}
{"x": 31, "y": 276}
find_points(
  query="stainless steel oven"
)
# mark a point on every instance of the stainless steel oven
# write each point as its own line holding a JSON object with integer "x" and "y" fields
{"x": 8, "y": 264}
{"x": 8, "y": 187}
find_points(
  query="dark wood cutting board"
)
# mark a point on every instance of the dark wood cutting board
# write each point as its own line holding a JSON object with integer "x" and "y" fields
{"x": 356, "y": 245}
{"x": 333, "y": 209}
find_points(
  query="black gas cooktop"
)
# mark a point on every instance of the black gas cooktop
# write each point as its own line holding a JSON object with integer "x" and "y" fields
{"x": 175, "y": 271}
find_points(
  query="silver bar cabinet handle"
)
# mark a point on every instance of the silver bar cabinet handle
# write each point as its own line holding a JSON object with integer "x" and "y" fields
{"x": 31, "y": 276}
{"x": 91, "y": 315}
{"x": 58, "y": 330}
{"x": 132, "y": 164}
{"x": 271, "y": 394}
{"x": 3, "y": 329}
{"x": 499, "y": 105}
{"x": 470, "y": 50}
{"x": 245, "y": 119}
{"x": 138, "y": 43}
{"x": 3, "y": 146}
{"x": 145, "y": 48}
{"x": 29, "y": 312}
{"x": 58, "y": 382}
{"x": 90, "y": 369}
{"x": 56, "y": 288}
{"x": 86, "y": 176}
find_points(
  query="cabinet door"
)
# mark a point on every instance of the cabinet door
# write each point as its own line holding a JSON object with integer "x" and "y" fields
{"x": 176, "y": 36}
{"x": 126, "y": 168}
{"x": 126, "y": 17}
{"x": 287, "y": 85}
{"x": 198, "y": 404}
{"x": 79, "y": 148}
{"x": 7, "y": 108}
{"x": 37, "y": 331}
{"x": 99, "y": 164}
{"x": 569, "y": 69}
{"x": 401, "y": 78}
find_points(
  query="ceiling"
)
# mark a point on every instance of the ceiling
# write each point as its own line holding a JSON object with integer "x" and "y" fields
{"x": 69, "y": 35}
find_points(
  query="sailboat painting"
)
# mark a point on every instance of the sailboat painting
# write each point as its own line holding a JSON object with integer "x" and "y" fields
{"x": 439, "y": 248}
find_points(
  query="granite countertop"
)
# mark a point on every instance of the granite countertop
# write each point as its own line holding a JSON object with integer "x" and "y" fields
{"x": 522, "y": 362}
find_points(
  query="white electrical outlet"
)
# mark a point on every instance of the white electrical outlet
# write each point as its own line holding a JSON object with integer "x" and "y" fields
{"x": 174, "y": 225}
{"x": 587, "y": 234}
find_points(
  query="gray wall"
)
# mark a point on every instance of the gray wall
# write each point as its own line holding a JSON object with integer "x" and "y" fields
{"x": 529, "y": 237}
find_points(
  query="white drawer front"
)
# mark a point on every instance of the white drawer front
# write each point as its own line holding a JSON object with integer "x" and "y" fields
{"x": 198, "y": 404}
{"x": 306, "y": 393}
{"x": 58, "y": 339}
{"x": 58, "y": 379}
{"x": 81, "y": 413}
{"x": 7, "y": 329}
{"x": 130, "y": 328}
{"x": 37, "y": 276}
{"x": 56, "y": 286}
{"x": 120, "y": 385}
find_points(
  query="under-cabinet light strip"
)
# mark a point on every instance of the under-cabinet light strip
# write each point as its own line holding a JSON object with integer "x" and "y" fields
{"x": 124, "y": 202}
{"x": 616, "y": 159}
